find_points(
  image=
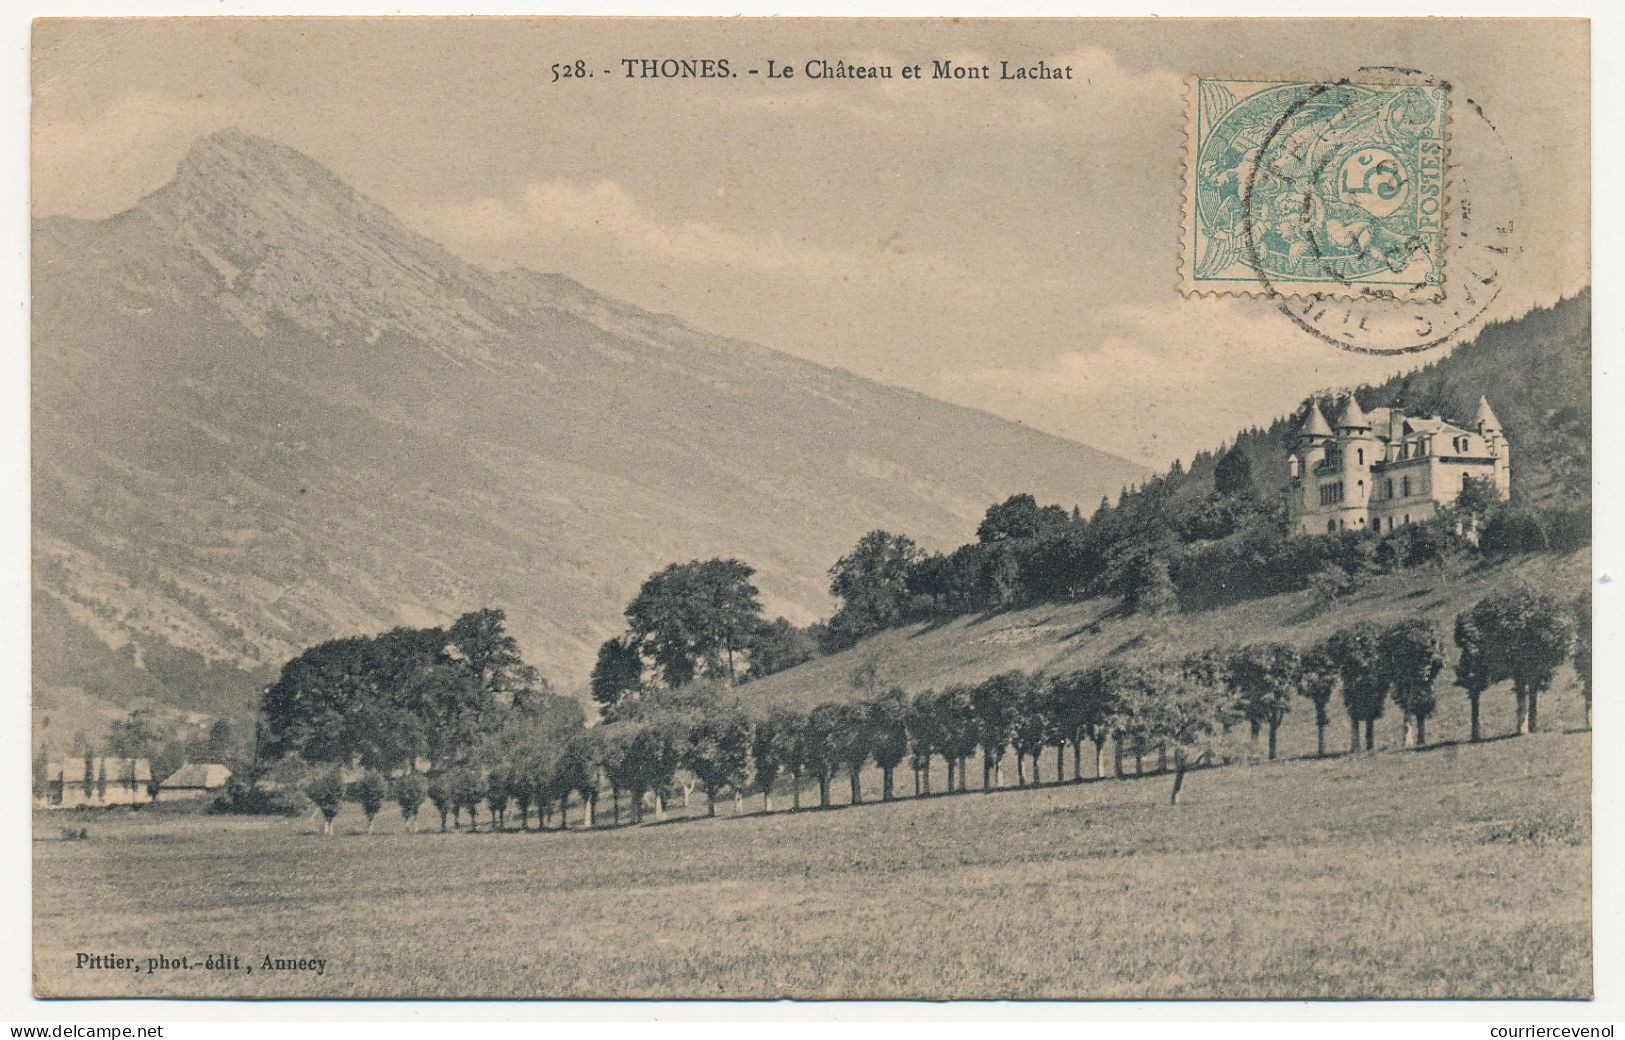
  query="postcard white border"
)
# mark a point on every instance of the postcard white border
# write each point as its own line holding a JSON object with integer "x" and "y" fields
{"x": 366, "y": 1020}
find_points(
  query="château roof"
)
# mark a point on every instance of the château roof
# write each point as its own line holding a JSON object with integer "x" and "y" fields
{"x": 1314, "y": 424}
{"x": 1485, "y": 417}
{"x": 1352, "y": 418}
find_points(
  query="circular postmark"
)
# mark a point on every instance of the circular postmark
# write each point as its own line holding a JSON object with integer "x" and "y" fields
{"x": 1336, "y": 190}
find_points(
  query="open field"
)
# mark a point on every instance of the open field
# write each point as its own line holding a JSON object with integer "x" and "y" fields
{"x": 1459, "y": 871}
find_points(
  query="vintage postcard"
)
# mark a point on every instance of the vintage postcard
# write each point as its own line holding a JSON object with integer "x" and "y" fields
{"x": 540, "y": 509}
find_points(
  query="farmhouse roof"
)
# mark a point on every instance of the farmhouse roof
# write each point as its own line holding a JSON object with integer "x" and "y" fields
{"x": 207, "y": 775}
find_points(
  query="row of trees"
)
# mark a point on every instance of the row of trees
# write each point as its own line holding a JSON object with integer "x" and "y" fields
{"x": 1187, "y": 713}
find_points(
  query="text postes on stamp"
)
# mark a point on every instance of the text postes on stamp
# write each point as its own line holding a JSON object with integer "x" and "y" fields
{"x": 1305, "y": 188}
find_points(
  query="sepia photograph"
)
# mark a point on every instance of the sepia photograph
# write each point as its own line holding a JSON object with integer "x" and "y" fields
{"x": 835, "y": 509}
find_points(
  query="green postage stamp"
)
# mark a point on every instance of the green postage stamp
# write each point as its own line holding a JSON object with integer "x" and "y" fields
{"x": 1306, "y": 188}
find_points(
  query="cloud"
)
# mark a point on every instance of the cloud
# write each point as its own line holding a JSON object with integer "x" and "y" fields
{"x": 1155, "y": 384}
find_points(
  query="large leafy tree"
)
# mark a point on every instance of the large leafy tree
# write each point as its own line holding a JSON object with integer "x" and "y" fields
{"x": 1138, "y": 572}
{"x": 657, "y": 751}
{"x": 1413, "y": 656}
{"x": 821, "y": 745}
{"x": 1033, "y": 727}
{"x": 468, "y": 790}
{"x": 409, "y": 792}
{"x": 1233, "y": 473}
{"x": 717, "y": 751}
{"x": 618, "y": 757}
{"x": 1068, "y": 724}
{"x": 1020, "y": 518}
{"x": 871, "y": 582}
{"x": 1478, "y": 662}
{"x": 372, "y": 791}
{"x": 696, "y": 618}
{"x": 925, "y": 738}
{"x": 1520, "y": 635}
{"x": 480, "y": 641}
{"x": 1356, "y": 650}
{"x": 1580, "y": 614}
{"x": 1318, "y": 681}
{"x": 888, "y": 735}
{"x": 766, "y": 746}
{"x": 385, "y": 701}
{"x": 997, "y": 701}
{"x": 439, "y": 793}
{"x": 529, "y": 754}
{"x": 930, "y": 577}
{"x": 1538, "y": 634}
{"x": 618, "y": 672}
{"x": 313, "y": 708}
{"x": 1189, "y": 718}
{"x": 961, "y": 730}
{"x": 778, "y": 645}
{"x": 1133, "y": 690}
{"x": 455, "y": 711}
{"x": 578, "y": 771}
{"x": 327, "y": 793}
{"x": 1088, "y": 698}
{"x": 854, "y": 744}
{"x": 789, "y": 747}
{"x": 1264, "y": 677}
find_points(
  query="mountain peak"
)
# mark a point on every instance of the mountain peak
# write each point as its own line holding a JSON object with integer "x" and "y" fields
{"x": 235, "y": 143}
{"x": 275, "y": 236}
{"x": 233, "y": 162}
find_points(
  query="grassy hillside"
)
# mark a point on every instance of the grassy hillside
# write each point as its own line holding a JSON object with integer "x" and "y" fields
{"x": 1054, "y": 638}
{"x": 1461, "y": 871}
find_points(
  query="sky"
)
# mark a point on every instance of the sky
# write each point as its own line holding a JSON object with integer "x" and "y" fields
{"x": 1008, "y": 247}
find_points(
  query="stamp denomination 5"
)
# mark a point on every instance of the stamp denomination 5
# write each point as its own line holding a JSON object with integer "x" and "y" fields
{"x": 1331, "y": 189}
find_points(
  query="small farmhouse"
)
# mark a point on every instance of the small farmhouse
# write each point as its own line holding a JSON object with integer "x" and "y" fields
{"x": 194, "y": 780}
{"x": 92, "y": 780}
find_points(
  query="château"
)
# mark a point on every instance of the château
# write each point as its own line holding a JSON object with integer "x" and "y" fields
{"x": 1383, "y": 469}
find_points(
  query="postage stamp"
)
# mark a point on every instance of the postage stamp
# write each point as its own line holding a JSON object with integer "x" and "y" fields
{"x": 1304, "y": 188}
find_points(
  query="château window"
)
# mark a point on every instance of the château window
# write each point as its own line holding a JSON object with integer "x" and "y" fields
{"x": 1406, "y": 486}
{"x": 1359, "y": 454}
{"x": 1466, "y": 480}
{"x": 1331, "y": 526}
